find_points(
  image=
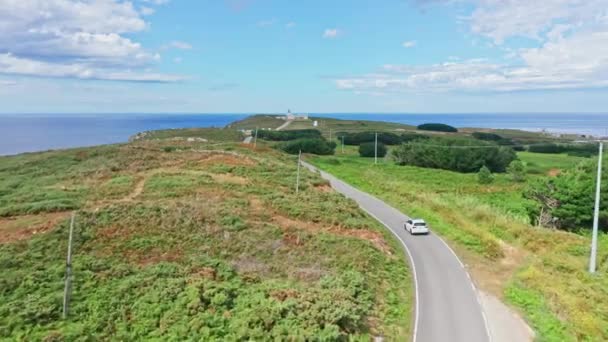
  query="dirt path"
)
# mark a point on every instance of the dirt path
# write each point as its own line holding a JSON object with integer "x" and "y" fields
{"x": 139, "y": 188}
{"x": 285, "y": 125}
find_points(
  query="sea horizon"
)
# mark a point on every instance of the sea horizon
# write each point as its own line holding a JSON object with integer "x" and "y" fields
{"x": 34, "y": 132}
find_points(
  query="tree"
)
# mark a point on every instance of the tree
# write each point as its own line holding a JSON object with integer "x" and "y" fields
{"x": 368, "y": 150}
{"x": 566, "y": 202}
{"x": 517, "y": 170}
{"x": 454, "y": 154}
{"x": 484, "y": 176}
{"x": 437, "y": 127}
{"x": 314, "y": 146}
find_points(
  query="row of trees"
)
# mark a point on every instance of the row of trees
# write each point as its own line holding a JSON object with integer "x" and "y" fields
{"x": 387, "y": 138}
{"x": 289, "y": 135}
{"x": 455, "y": 155}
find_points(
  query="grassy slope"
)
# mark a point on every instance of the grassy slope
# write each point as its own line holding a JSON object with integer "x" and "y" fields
{"x": 192, "y": 244}
{"x": 204, "y": 133}
{"x": 541, "y": 272}
{"x": 259, "y": 121}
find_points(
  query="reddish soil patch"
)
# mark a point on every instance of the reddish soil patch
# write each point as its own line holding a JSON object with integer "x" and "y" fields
{"x": 372, "y": 236}
{"x": 554, "y": 172}
{"x": 23, "y": 227}
{"x": 153, "y": 257}
{"x": 282, "y": 295}
{"x": 324, "y": 188}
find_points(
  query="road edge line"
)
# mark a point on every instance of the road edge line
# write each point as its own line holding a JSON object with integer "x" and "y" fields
{"x": 413, "y": 265}
{"x": 477, "y": 295}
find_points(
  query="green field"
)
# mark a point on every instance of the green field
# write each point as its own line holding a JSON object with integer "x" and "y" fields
{"x": 186, "y": 240}
{"x": 540, "y": 272}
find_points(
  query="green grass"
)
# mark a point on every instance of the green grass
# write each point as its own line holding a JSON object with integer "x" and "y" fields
{"x": 550, "y": 284}
{"x": 257, "y": 121}
{"x": 543, "y": 163}
{"x": 213, "y": 246}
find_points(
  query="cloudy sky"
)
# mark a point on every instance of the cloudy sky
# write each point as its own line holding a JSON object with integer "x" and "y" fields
{"x": 311, "y": 56}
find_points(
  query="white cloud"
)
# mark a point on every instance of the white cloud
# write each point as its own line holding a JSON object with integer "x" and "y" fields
{"x": 331, "y": 33}
{"x": 156, "y": 2}
{"x": 290, "y": 25}
{"x": 62, "y": 34}
{"x": 572, "y": 45}
{"x": 147, "y": 11}
{"x": 409, "y": 44}
{"x": 180, "y": 45}
{"x": 500, "y": 19}
{"x": 10, "y": 64}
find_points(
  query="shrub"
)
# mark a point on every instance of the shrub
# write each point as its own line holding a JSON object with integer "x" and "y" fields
{"x": 517, "y": 170}
{"x": 364, "y": 137}
{"x": 546, "y": 148}
{"x": 484, "y": 176}
{"x": 579, "y": 150}
{"x": 486, "y": 136}
{"x": 454, "y": 154}
{"x": 437, "y": 127}
{"x": 368, "y": 150}
{"x": 407, "y": 137}
{"x": 314, "y": 146}
{"x": 566, "y": 201}
{"x": 289, "y": 135}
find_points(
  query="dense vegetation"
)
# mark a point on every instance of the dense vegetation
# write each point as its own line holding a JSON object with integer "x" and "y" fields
{"x": 437, "y": 127}
{"x": 196, "y": 242}
{"x": 370, "y": 150}
{"x": 581, "y": 150}
{"x": 462, "y": 155}
{"x": 289, "y": 135}
{"x": 542, "y": 272}
{"x": 566, "y": 201}
{"x": 386, "y": 138}
{"x": 318, "y": 146}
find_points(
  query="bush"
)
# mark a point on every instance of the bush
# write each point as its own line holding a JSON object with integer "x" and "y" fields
{"x": 487, "y": 136}
{"x": 454, "y": 154}
{"x": 314, "y": 146}
{"x": 407, "y": 137}
{"x": 437, "y": 127}
{"x": 579, "y": 150}
{"x": 566, "y": 201}
{"x": 368, "y": 150}
{"x": 517, "y": 170}
{"x": 289, "y": 135}
{"x": 546, "y": 148}
{"x": 364, "y": 137}
{"x": 484, "y": 176}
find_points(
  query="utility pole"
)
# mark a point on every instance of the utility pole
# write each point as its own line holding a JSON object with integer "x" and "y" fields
{"x": 255, "y": 140}
{"x": 298, "y": 175}
{"x": 592, "y": 263}
{"x": 376, "y": 150}
{"x": 68, "y": 273}
{"x": 330, "y": 134}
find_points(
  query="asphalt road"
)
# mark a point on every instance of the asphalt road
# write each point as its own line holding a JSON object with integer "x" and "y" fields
{"x": 447, "y": 303}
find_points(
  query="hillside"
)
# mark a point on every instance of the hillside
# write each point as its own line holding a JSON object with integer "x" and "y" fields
{"x": 181, "y": 239}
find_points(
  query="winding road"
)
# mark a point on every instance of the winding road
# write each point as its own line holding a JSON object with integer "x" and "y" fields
{"x": 447, "y": 304}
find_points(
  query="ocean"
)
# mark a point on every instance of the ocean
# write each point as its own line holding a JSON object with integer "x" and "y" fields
{"x": 29, "y": 133}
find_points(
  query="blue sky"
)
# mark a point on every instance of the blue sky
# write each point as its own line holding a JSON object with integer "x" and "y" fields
{"x": 91, "y": 56}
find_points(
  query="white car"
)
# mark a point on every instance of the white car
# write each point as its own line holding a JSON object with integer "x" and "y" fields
{"x": 417, "y": 226}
